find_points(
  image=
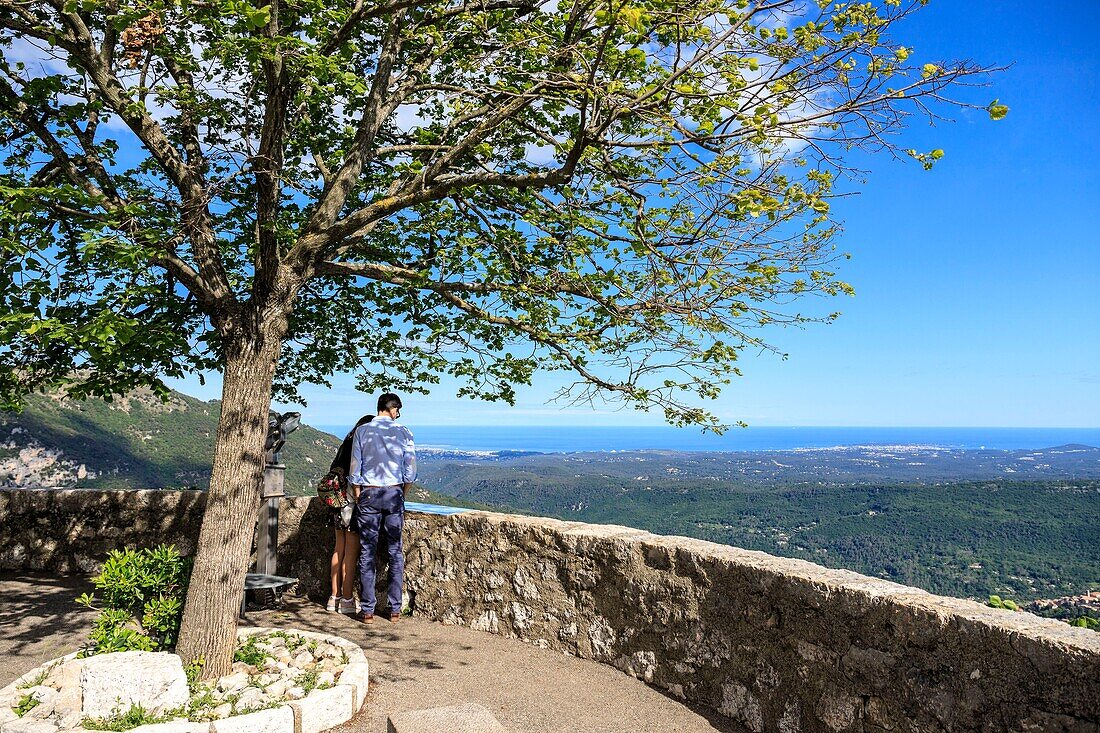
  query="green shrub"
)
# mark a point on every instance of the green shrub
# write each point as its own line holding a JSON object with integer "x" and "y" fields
{"x": 1006, "y": 604}
{"x": 1086, "y": 622}
{"x": 142, "y": 600}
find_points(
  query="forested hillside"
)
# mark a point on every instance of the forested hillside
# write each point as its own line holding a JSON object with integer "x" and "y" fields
{"x": 1024, "y": 538}
{"x": 136, "y": 441}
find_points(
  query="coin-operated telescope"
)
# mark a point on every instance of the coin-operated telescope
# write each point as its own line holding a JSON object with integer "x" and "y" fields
{"x": 273, "y": 489}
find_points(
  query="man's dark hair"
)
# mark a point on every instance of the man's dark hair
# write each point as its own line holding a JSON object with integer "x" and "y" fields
{"x": 389, "y": 401}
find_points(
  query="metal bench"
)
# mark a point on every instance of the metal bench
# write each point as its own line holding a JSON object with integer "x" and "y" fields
{"x": 263, "y": 581}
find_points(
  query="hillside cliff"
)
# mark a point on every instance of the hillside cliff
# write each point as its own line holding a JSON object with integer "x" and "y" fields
{"x": 136, "y": 441}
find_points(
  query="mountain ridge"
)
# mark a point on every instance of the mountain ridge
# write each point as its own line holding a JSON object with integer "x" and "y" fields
{"x": 133, "y": 441}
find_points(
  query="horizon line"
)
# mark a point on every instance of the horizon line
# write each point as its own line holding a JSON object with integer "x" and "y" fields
{"x": 734, "y": 428}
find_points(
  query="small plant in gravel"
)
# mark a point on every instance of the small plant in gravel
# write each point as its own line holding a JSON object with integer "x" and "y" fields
{"x": 257, "y": 708}
{"x": 193, "y": 670}
{"x": 132, "y": 718}
{"x": 250, "y": 653}
{"x": 232, "y": 699}
{"x": 307, "y": 680}
{"x": 293, "y": 641}
{"x": 39, "y": 678}
{"x": 26, "y": 704}
{"x": 200, "y": 708}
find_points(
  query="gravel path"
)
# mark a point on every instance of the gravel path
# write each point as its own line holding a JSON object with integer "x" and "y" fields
{"x": 415, "y": 664}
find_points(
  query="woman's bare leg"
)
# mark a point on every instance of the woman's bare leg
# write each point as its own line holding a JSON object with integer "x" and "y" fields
{"x": 349, "y": 561}
{"x": 335, "y": 565}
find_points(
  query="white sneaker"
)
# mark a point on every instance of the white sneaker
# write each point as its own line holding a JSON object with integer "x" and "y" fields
{"x": 349, "y": 605}
{"x": 331, "y": 605}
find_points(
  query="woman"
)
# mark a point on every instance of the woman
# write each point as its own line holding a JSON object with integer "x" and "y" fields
{"x": 345, "y": 555}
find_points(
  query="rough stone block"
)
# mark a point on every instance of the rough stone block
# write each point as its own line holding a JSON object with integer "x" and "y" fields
{"x": 274, "y": 720}
{"x": 117, "y": 682}
{"x": 466, "y": 718}
{"x": 323, "y": 709}
{"x": 357, "y": 676}
{"x": 25, "y": 725}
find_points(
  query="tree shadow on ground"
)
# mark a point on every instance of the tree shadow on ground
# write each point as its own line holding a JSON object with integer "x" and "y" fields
{"x": 40, "y": 620}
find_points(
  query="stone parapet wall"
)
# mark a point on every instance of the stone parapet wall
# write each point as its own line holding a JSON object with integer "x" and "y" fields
{"x": 72, "y": 530}
{"x": 774, "y": 643}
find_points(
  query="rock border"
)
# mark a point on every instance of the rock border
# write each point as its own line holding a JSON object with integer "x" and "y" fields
{"x": 316, "y": 712}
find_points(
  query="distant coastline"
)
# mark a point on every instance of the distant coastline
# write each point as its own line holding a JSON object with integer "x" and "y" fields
{"x": 573, "y": 439}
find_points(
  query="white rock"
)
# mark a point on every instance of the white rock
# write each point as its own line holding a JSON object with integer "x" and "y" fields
{"x": 110, "y": 682}
{"x": 303, "y": 659}
{"x": 275, "y": 720}
{"x": 68, "y": 674}
{"x": 70, "y": 696}
{"x": 68, "y": 719}
{"x": 251, "y": 697}
{"x": 266, "y": 679}
{"x": 223, "y": 711}
{"x": 277, "y": 689}
{"x": 325, "y": 708}
{"x": 295, "y": 693}
{"x": 23, "y": 725}
{"x": 326, "y": 679}
{"x": 328, "y": 651}
{"x": 233, "y": 682}
{"x": 276, "y": 641}
{"x": 242, "y": 667}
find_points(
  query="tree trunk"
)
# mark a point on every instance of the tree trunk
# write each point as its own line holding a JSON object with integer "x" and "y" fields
{"x": 208, "y": 632}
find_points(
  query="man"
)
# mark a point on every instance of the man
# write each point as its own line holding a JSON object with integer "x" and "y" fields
{"x": 383, "y": 467}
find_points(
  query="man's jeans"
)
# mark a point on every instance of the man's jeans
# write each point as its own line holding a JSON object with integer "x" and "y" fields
{"x": 381, "y": 508}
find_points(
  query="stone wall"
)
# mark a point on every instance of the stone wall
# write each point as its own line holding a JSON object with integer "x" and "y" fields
{"x": 776, "y": 644}
{"x": 71, "y": 531}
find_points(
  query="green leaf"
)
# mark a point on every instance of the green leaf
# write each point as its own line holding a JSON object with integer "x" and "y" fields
{"x": 996, "y": 110}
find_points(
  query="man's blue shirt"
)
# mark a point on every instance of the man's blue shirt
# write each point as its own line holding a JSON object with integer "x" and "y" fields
{"x": 382, "y": 454}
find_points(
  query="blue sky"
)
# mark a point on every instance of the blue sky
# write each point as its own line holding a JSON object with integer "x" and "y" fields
{"x": 977, "y": 284}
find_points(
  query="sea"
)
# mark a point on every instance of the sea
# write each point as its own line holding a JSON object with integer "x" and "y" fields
{"x": 574, "y": 439}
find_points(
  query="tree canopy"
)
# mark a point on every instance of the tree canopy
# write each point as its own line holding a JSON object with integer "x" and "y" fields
{"x": 625, "y": 190}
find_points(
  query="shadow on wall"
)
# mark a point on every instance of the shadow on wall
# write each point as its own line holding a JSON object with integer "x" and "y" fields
{"x": 71, "y": 531}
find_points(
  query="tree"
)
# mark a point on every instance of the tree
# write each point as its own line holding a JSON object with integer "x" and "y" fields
{"x": 624, "y": 190}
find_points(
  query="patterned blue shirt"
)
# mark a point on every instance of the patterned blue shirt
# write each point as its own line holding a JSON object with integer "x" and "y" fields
{"x": 382, "y": 454}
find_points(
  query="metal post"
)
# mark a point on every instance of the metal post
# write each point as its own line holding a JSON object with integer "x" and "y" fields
{"x": 268, "y": 526}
